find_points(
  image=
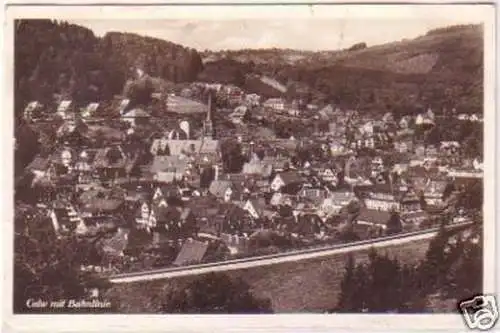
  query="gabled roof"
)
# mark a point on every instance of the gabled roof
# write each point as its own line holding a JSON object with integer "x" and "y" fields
{"x": 123, "y": 105}
{"x": 178, "y": 104}
{"x": 259, "y": 204}
{"x": 290, "y": 177}
{"x": 92, "y": 107}
{"x": 373, "y": 216}
{"x": 101, "y": 200}
{"x": 192, "y": 251}
{"x": 32, "y": 106}
{"x": 219, "y": 187}
{"x": 39, "y": 164}
{"x": 136, "y": 113}
{"x": 276, "y": 162}
{"x": 173, "y": 164}
{"x": 116, "y": 244}
{"x": 64, "y": 105}
{"x": 257, "y": 168}
{"x": 178, "y": 147}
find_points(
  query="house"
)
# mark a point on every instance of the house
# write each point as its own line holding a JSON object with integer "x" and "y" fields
{"x": 277, "y": 164}
{"x": 239, "y": 114}
{"x": 226, "y": 190}
{"x": 233, "y": 219}
{"x": 409, "y": 201}
{"x": 256, "y": 167}
{"x": 400, "y": 168}
{"x": 186, "y": 106}
{"x": 235, "y": 243}
{"x": 252, "y": 100}
{"x": 73, "y": 132}
{"x": 114, "y": 162}
{"x": 206, "y": 149}
{"x": 136, "y": 117}
{"x": 143, "y": 217}
{"x": 336, "y": 200}
{"x": 116, "y": 245}
{"x": 124, "y": 103}
{"x": 275, "y": 104}
{"x": 65, "y": 218}
{"x": 414, "y": 217}
{"x": 424, "y": 119}
{"x": 63, "y": 161}
{"x": 174, "y": 222}
{"x": 90, "y": 110}
{"x": 449, "y": 148}
{"x": 337, "y": 148}
{"x": 405, "y": 122}
{"x": 257, "y": 208}
{"x": 328, "y": 175}
{"x": 92, "y": 225}
{"x": 434, "y": 191}
{"x": 100, "y": 201}
{"x": 163, "y": 191}
{"x": 382, "y": 197}
{"x": 281, "y": 199}
{"x": 64, "y": 109}
{"x": 167, "y": 169}
{"x": 312, "y": 193}
{"x": 289, "y": 180}
{"x": 32, "y": 110}
{"x": 309, "y": 225}
{"x": 373, "y": 217}
{"x": 40, "y": 166}
{"x": 192, "y": 252}
{"x": 403, "y": 146}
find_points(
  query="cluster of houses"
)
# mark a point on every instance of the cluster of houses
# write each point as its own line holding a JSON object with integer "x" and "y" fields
{"x": 165, "y": 193}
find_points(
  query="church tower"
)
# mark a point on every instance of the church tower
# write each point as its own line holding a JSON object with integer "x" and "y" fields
{"x": 208, "y": 124}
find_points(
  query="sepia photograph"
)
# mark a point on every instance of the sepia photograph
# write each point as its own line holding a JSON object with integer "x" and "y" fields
{"x": 287, "y": 164}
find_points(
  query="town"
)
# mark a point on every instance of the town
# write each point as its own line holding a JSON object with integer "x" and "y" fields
{"x": 210, "y": 172}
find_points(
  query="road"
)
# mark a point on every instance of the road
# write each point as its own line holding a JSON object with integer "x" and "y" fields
{"x": 168, "y": 273}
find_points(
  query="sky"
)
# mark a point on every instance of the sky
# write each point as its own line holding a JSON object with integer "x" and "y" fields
{"x": 300, "y": 33}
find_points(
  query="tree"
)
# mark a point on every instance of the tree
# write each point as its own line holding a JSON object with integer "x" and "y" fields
{"x": 422, "y": 201}
{"x": 465, "y": 276}
{"x": 47, "y": 267}
{"x": 352, "y": 286}
{"x": 232, "y": 157}
{"x": 382, "y": 285}
{"x": 214, "y": 293}
{"x": 394, "y": 224}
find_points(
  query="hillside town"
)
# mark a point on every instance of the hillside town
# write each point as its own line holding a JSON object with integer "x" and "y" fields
{"x": 204, "y": 175}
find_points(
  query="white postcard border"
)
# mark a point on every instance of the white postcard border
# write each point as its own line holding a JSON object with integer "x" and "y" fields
{"x": 282, "y": 322}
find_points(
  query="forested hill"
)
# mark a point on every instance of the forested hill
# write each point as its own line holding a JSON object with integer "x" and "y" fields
{"x": 60, "y": 58}
{"x": 443, "y": 68}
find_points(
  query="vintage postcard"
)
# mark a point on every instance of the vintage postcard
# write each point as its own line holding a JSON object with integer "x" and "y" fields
{"x": 297, "y": 168}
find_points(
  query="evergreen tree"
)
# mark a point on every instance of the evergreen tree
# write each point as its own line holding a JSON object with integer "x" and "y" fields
{"x": 47, "y": 267}
{"x": 394, "y": 224}
{"x": 214, "y": 293}
{"x": 347, "y": 301}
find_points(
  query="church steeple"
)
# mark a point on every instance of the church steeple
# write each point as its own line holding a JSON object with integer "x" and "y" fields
{"x": 208, "y": 126}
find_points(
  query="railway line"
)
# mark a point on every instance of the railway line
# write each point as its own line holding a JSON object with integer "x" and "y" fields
{"x": 291, "y": 256}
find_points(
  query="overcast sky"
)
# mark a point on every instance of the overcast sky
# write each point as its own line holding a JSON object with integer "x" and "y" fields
{"x": 304, "y": 34}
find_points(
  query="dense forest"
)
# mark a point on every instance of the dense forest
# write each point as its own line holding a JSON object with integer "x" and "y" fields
{"x": 443, "y": 69}
{"x": 58, "y": 58}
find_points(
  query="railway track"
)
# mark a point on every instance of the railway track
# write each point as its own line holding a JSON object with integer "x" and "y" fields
{"x": 291, "y": 256}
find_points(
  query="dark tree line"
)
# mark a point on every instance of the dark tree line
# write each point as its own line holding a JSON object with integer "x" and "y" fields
{"x": 47, "y": 267}
{"x": 61, "y": 58}
{"x": 384, "y": 284}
